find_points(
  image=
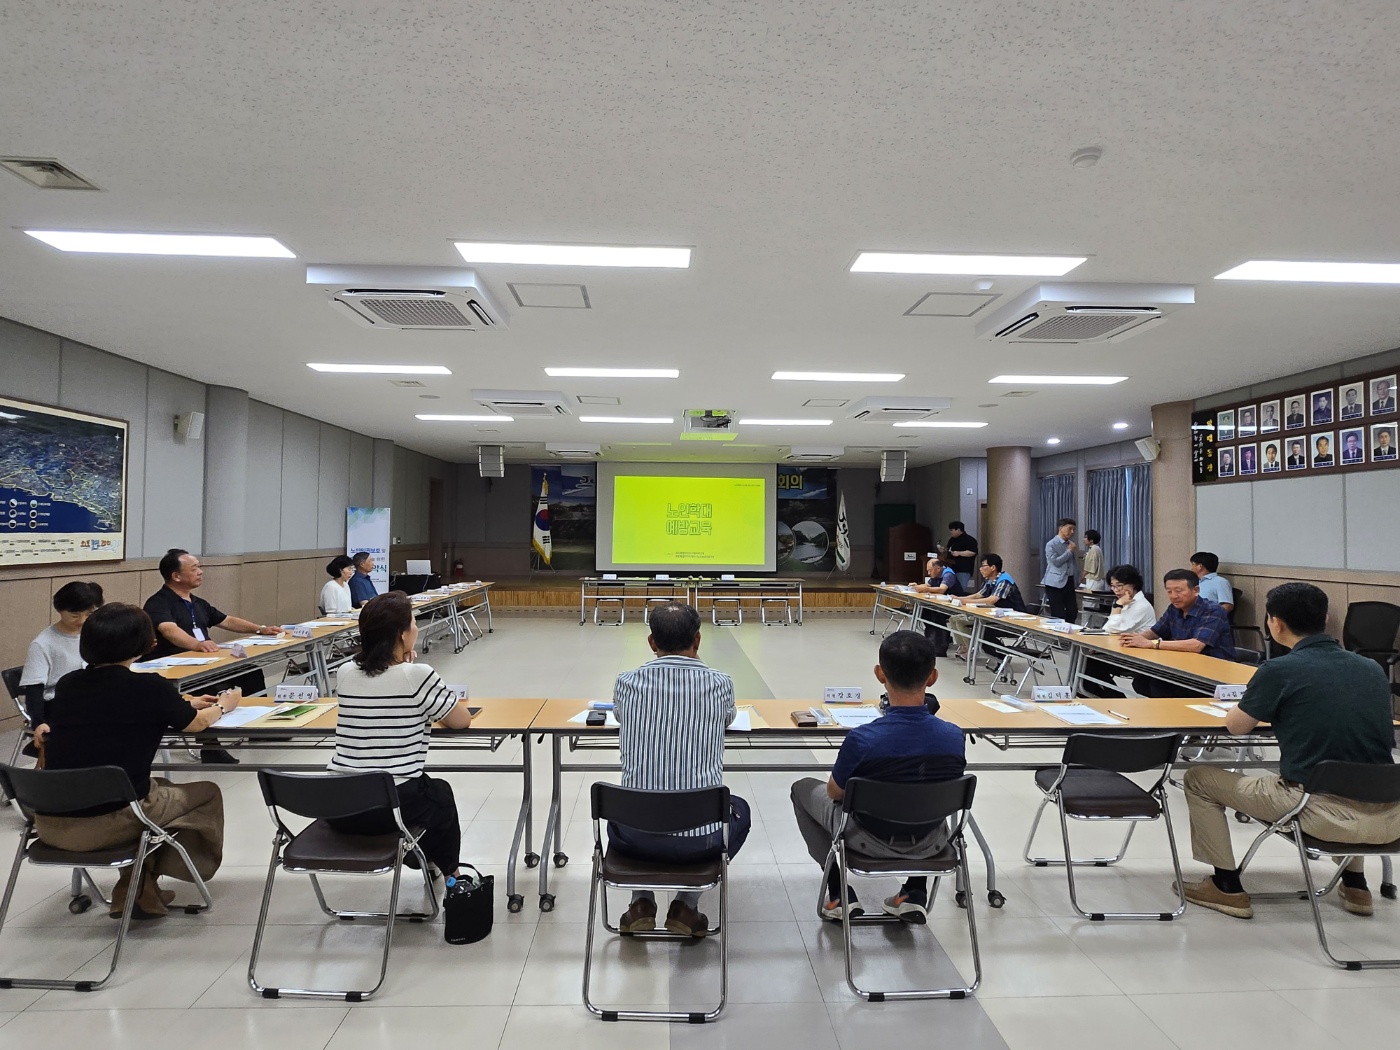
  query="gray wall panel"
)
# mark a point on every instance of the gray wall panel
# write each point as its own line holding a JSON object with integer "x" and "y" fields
{"x": 1225, "y": 522}
{"x": 28, "y": 363}
{"x": 301, "y": 465}
{"x": 174, "y": 469}
{"x": 361, "y": 471}
{"x": 1372, "y": 509}
{"x": 334, "y": 494}
{"x": 264, "y": 522}
{"x": 1298, "y": 522}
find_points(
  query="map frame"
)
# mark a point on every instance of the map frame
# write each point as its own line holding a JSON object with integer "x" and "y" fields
{"x": 68, "y": 548}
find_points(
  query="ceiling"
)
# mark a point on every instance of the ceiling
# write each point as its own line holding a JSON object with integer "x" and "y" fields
{"x": 777, "y": 139}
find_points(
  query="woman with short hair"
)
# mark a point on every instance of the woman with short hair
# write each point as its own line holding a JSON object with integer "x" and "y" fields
{"x": 1094, "y": 577}
{"x": 1132, "y": 612}
{"x": 54, "y": 652}
{"x": 335, "y": 595}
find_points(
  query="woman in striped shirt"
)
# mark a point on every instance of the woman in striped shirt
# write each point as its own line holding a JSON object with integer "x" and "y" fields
{"x": 387, "y": 704}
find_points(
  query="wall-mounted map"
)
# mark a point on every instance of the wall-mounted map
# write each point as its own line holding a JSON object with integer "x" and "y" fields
{"x": 62, "y": 485}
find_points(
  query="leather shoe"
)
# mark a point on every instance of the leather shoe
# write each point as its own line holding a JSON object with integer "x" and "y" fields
{"x": 639, "y": 918}
{"x": 686, "y": 921}
{"x": 1358, "y": 902}
{"x": 1208, "y": 895}
{"x": 217, "y": 756}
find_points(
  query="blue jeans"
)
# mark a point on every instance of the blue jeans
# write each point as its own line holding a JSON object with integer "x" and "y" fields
{"x": 681, "y": 849}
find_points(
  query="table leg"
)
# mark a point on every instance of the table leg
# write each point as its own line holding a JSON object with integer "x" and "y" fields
{"x": 553, "y": 838}
{"x": 454, "y": 619}
{"x": 875, "y": 612}
{"x": 994, "y": 897}
{"x": 582, "y": 599}
{"x": 515, "y": 901}
{"x": 490, "y": 620}
{"x": 320, "y": 667}
{"x": 1078, "y": 660}
{"x": 974, "y": 642}
{"x": 799, "y": 605}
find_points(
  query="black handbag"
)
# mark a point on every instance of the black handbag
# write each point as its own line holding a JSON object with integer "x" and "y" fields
{"x": 469, "y": 907}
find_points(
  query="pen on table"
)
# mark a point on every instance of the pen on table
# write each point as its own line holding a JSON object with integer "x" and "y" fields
{"x": 1123, "y": 717}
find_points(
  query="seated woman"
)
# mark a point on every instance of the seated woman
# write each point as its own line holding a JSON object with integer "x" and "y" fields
{"x": 108, "y": 715}
{"x": 1131, "y": 612}
{"x": 335, "y": 595}
{"x": 54, "y": 652}
{"x": 387, "y": 704}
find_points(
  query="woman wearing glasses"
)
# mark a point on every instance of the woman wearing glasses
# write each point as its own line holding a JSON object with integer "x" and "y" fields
{"x": 1131, "y": 612}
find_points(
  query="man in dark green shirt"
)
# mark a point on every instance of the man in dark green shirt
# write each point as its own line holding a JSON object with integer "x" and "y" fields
{"x": 1323, "y": 703}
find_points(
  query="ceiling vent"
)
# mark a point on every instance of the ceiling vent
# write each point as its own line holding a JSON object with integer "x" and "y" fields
{"x": 896, "y": 409}
{"x": 410, "y": 298}
{"x": 407, "y": 382}
{"x": 46, "y": 173}
{"x": 574, "y": 450}
{"x": 1065, "y": 314}
{"x": 535, "y": 403}
{"x": 814, "y": 454}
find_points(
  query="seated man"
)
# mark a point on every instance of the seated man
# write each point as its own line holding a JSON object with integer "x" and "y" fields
{"x": 998, "y": 590}
{"x": 939, "y": 579}
{"x": 362, "y": 587}
{"x": 673, "y": 713}
{"x": 1191, "y": 624}
{"x": 1213, "y": 586}
{"x": 909, "y": 744}
{"x": 1324, "y": 704}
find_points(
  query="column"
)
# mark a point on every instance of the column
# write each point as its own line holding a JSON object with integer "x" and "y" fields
{"x": 225, "y": 471}
{"x": 1173, "y": 495}
{"x": 1009, "y": 507}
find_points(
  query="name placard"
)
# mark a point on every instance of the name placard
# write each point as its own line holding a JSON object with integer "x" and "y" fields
{"x": 1047, "y": 694}
{"x": 458, "y": 691}
{"x": 301, "y": 631}
{"x": 237, "y": 652}
{"x": 295, "y": 694}
{"x": 1061, "y": 626}
{"x": 1229, "y": 692}
{"x": 841, "y": 694}
{"x": 1002, "y": 614}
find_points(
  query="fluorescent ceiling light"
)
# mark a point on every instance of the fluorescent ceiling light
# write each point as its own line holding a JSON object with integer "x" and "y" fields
{"x": 573, "y": 255}
{"x": 785, "y": 422}
{"x": 1052, "y": 441}
{"x": 1058, "y": 380}
{"x": 1120, "y": 426}
{"x": 382, "y": 370}
{"x": 467, "y": 419}
{"x": 841, "y": 377}
{"x": 1322, "y": 272}
{"x": 990, "y": 265}
{"x": 951, "y": 424}
{"x": 164, "y": 244}
{"x": 626, "y": 419}
{"x": 614, "y": 373}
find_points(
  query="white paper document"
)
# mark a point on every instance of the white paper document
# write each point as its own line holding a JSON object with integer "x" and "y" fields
{"x": 241, "y": 716}
{"x": 997, "y": 705}
{"x": 849, "y": 719}
{"x": 1079, "y": 715}
{"x": 255, "y": 639}
{"x": 742, "y": 723}
{"x": 1208, "y": 709}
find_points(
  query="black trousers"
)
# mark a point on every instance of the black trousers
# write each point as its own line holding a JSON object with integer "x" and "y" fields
{"x": 1064, "y": 603}
{"x": 1104, "y": 672}
{"x": 425, "y": 802}
{"x": 1149, "y": 686}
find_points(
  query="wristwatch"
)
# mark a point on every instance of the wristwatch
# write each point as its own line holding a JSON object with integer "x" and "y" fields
{"x": 1157, "y": 644}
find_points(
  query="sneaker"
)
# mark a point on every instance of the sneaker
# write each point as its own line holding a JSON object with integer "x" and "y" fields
{"x": 1208, "y": 895}
{"x": 217, "y": 756}
{"x": 908, "y": 907}
{"x": 686, "y": 921}
{"x": 832, "y": 909}
{"x": 1358, "y": 902}
{"x": 640, "y": 918}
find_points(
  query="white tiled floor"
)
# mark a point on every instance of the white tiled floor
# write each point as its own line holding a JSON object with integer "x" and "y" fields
{"x": 1050, "y": 978}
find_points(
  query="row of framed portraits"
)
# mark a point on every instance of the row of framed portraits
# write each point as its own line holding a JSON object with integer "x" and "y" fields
{"x": 1317, "y": 450}
{"x": 1349, "y": 403}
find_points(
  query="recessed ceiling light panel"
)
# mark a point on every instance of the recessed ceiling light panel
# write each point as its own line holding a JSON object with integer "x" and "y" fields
{"x": 163, "y": 244}
{"x": 946, "y": 424}
{"x": 785, "y": 422}
{"x": 1023, "y": 380}
{"x": 466, "y": 419}
{"x": 840, "y": 377}
{"x": 980, "y": 265}
{"x": 657, "y": 420}
{"x": 573, "y": 255}
{"x": 613, "y": 373}
{"x": 381, "y": 370}
{"x": 1316, "y": 272}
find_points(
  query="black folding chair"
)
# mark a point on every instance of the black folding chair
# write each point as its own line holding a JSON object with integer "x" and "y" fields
{"x": 10, "y": 676}
{"x": 1089, "y": 784}
{"x": 1361, "y": 782}
{"x": 319, "y": 849}
{"x": 911, "y": 805}
{"x": 60, "y": 792}
{"x": 657, "y": 812}
{"x": 1370, "y": 630}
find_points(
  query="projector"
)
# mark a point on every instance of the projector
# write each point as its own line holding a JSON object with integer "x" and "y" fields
{"x": 709, "y": 424}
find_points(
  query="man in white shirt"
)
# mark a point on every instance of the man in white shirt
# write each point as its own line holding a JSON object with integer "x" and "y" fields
{"x": 673, "y": 713}
{"x": 1213, "y": 586}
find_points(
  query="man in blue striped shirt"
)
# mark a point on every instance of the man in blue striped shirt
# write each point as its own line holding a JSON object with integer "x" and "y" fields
{"x": 909, "y": 744}
{"x": 672, "y": 714}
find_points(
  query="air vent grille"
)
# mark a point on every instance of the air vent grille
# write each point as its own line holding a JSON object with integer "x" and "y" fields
{"x": 46, "y": 173}
{"x": 416, "y": 313}
{"x": 1073, "y": 328}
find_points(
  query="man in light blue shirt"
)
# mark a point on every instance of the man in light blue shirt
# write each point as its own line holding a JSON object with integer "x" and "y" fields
{"x": 1213, "y": 586}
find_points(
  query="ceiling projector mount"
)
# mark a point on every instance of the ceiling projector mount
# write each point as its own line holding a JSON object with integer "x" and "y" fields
{"x": 709, "y": 424}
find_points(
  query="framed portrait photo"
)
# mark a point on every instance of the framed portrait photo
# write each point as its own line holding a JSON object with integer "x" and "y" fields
{"x": 1383, "y": 396}
{"x": 1225, "y": 463}
{"x": 1351, "y": 402}
{"x": 1269, "y": 422}
{"x": 1247, "y": 421}
{"x": 1322, "y": 407}
{"x": 1323, "y": 454}
{"x": 1270, "y": 457}
{"x": 1296, "y": 418}
{"x": 1297, "y": 458}
{"x": 1249, "y": 460}
{"x": 1352, "y": 442}
{"x": 1225, "y": 425}
{"x": 1383, "y": 443}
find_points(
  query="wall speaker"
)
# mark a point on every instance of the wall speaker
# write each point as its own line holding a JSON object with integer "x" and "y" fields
{"x": 1150, "y": 448}
{"x": 491, "y": 459}
{"x": 189, "y": 426}
{"x": 892, "y": 464}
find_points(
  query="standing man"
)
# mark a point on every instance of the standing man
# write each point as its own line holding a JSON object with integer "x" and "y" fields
{"x": 1324, "y": 704}
{"x": 1213, "y": 586}
{"x": 673, "y": 713}
{"x": 1058, "y": 581}
{"x": 183, "y": 620}
{"x": 1191, "y": 624}
{"x": 960, "y": 554}
{"x": 361, "y": 586}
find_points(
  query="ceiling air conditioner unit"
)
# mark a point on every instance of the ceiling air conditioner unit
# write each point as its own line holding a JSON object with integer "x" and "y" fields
{"x": 574, "y": 450}
{"x": 814, "y": 454}
{"x": 410, "y": 298}
{"x": 896, "y": 409}
{"x": 1063, "y": 313}
{"x": 535, "y": 403}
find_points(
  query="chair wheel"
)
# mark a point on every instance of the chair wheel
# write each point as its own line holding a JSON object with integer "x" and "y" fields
{"x": 960, "y": 898}
{"x": 532, "y": 860}
{"x": 1243, "y": 818}
{"x": 560, "y": 859}
{"x": 1388, "y": 890}
{"x": 82, "y": 903}
{"x": 514, "y": 903}
{"x": 996, "y": 898}
{"x": 546, "y": 902}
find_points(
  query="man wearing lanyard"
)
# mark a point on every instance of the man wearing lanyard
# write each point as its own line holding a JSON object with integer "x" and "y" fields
{"x": 182, "y": 621}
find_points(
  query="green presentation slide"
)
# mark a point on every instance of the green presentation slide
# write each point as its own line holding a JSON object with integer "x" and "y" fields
{"x": 689, "y": 521}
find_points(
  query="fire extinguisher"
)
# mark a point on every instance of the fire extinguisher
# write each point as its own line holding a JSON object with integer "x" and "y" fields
{"x": 458, "y": 569}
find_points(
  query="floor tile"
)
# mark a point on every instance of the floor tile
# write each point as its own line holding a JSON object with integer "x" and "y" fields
{"x": 1073, "y": 1023}
{"x": 1239, "y": 1020}
{"x": 369, "y": 1027}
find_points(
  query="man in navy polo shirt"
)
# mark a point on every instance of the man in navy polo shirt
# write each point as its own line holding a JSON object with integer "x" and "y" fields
{"x": 1192, "y": 624}
{"x": 909, "y": 744}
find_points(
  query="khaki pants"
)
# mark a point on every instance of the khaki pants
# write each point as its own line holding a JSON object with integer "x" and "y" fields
{"x": 818, "y": 817}
{"x": 1210, "y": 791}
{"x": 960, "y": 626}
{"x": 194, "y": 812}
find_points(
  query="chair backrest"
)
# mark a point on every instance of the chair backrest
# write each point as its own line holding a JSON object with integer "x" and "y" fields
{"x": 660, "y": 812}
{"x": 56, "y": 792}
{"x": 10, "y": 676}
{"x": 1371, "y": 626}
{"x": 1122, "y": 752}
{"x": 1235, "y": 595}
{"x": 328, "y": 795}
{"x": 1358, "y": 781}
{"x": 918, "y": 803}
